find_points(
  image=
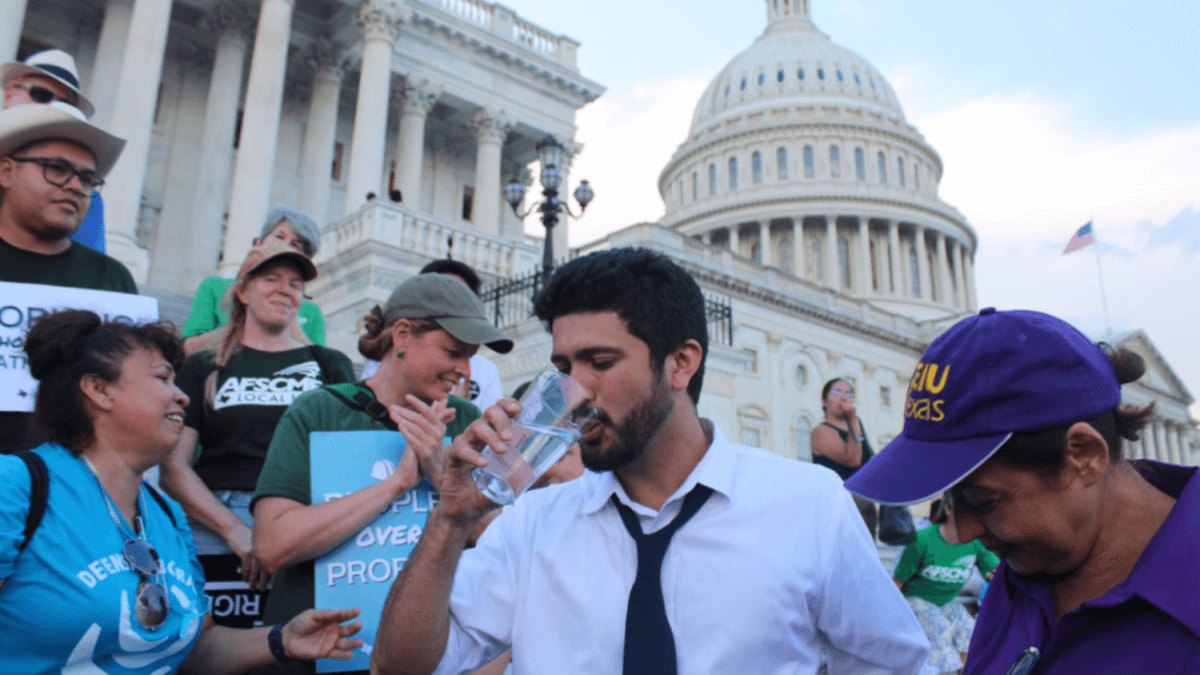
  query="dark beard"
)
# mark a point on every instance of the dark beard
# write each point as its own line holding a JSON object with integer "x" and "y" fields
{"x": 638, "y": 430}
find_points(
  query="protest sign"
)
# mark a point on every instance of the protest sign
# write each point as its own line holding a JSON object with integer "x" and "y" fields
{"x": 359, "y": 572}
{"x": 21, "y": 304}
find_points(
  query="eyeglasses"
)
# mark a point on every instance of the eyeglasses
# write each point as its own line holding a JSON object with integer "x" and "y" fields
{"x": 846, "y": 394}
{"x": 152, "y": 604}
{"x": 39, "y": 93}
{"x": 59, "y": 172}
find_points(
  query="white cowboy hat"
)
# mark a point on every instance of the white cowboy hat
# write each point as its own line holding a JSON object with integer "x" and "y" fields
{"x": 28, "y": 123}
{"x": 54, "y": 63}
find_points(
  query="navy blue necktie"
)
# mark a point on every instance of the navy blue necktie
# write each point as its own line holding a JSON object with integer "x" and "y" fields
{"x": 649, "y": 644}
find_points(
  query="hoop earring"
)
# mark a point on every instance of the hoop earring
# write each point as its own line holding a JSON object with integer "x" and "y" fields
{"x": 399, "y": 353}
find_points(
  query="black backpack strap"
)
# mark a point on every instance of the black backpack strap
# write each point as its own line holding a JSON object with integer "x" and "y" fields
{"x": 161, "y": 502}
{"x": 366, "y": 403}
{"x": 39, "y": 494}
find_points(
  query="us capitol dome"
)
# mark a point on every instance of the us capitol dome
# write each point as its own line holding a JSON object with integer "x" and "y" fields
{"x": 799, "y": 157}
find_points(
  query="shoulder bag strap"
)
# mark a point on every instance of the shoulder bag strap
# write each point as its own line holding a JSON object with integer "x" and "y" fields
{"x": 366, "y": 403}
{"x": 39, "y": 494}
{"x": 161, "y": 502}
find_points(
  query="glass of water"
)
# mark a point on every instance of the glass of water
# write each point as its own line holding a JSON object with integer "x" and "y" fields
{"x": 553, "y": 412}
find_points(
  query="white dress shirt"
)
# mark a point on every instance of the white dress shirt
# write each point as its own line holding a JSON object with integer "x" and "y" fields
{"x": 776, "y": 566}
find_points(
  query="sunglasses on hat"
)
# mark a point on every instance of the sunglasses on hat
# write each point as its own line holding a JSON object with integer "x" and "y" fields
{"x": 39, "y": 93}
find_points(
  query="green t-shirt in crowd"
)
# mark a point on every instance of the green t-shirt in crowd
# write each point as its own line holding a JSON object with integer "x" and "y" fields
{"x": 936, "y": 570}
{"x": 286, "y": 473}
{"x": 76, "y": 267}
{"x": 253, "y": 391}
{"x": 206, "y": 313}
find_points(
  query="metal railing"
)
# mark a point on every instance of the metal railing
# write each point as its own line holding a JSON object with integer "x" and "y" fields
{"x": 510, "y": 302}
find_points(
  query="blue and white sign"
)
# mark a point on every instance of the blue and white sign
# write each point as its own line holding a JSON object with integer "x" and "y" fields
{"x": 359, "y": 572}
{"x": 21, "y": 304}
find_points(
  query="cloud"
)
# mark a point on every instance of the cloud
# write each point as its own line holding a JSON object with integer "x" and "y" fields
{"x": 629, "y": 135}
{"x": 1026, "y": 175}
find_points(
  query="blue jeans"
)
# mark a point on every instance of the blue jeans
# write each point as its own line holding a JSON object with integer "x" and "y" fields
{"x": 211, "y": 543}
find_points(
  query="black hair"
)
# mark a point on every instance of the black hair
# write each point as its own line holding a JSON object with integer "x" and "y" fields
{"x": 66, "y": 346}
{"x": 395, "y": 196}
{"x": 660, "y": 303}
{"x": 1043, "y": 450}
{"x": 458, "y": 269}
{"x": 829, "y": 386}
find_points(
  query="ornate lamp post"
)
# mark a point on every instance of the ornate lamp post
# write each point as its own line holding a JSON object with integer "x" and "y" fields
{"x": 550, "y": 157}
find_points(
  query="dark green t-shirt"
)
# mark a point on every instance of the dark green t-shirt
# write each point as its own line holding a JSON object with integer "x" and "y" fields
{"x": 77, "y": 267}
{"x": 936, "y": 570}
{"x": 254, "y": 389}
{"x": 286, "y": 473}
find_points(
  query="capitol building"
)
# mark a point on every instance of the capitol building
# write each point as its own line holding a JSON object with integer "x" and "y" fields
{"x": 800, "y": 197}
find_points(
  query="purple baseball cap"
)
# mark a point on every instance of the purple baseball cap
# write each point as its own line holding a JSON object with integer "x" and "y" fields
{"x": 986, "y": 377}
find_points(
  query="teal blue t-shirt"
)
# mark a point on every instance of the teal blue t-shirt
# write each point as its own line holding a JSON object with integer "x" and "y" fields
{"x": 67, "y": 601}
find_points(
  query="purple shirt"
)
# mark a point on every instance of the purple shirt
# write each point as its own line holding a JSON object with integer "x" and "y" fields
{"x": 1149, "y": 623}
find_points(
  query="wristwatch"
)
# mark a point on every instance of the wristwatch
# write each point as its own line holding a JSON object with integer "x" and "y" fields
{"x": 275, "y": 642}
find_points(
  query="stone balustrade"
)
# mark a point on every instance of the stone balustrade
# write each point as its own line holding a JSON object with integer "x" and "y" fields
{"x": 503, "y": 22}
{"x": 418, "y": 233}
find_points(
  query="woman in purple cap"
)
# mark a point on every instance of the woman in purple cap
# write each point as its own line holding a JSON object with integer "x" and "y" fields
{"x": 1016, "y": 417}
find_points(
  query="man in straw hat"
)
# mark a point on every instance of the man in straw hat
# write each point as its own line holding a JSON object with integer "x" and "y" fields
{"x": 51, "y": 160}
{"x": 46, "y": 77}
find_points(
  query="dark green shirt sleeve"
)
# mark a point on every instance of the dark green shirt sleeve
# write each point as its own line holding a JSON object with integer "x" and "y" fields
{"x": 122, "y": 280}
{"x": 465, "y": 412}
{"x": 286, "y": 471}
{"x": 203, "y": 316}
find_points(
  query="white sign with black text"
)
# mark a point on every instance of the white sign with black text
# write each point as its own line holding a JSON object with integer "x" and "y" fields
{"x": 21, "y": 304}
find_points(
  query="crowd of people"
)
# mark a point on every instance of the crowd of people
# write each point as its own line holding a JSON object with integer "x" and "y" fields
{"x": 676, "y": 550}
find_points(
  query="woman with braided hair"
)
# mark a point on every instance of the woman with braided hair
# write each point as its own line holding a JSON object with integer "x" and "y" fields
{"x": 239, "y": 385}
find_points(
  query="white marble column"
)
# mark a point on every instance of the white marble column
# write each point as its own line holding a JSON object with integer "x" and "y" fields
{"x": 833, "y": 265}
{"x": 491, "y": 127}
{"x": 945, "y": 287}
{"x": 866, "y": 278}
{"x": 798, "y": 246}
{"x": 922, "y": 262}
{"x": 960, "y": 276}
{"x": 894, "y": 263}
{"x": 327, "y": 58}
{"x": 1161, "y": 453}
{"x": 232, "y": 22}
{"x": 1185, "y": 448}
{"x": 764, "y": 252}
{"x": 1172, "y": 439}
{"x": 571, "y": 150}
{"x": 13, "y": 12}
{"x": 380, "y": 22}
{"x": 133, "y": 120}
{"x": 419, "y": 97}
{"x": 735, "y": 239}
{"x": 969, "y": 278}
{"x": 255, "y": 166}
{"x": 110, "y": 52}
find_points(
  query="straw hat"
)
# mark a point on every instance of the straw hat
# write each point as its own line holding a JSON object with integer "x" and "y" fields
{"x": 28, "y": 123}
{"x": 53, "y": 63}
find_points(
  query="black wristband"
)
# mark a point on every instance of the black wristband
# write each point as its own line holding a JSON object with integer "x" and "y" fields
{"x": 275, "y": 642}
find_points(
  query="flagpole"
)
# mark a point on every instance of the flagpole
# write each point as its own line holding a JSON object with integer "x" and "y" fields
{"x": 1100, "y": 271}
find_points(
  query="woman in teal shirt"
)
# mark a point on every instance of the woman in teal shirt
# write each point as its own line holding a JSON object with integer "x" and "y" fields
{"x": 108, "y": 581}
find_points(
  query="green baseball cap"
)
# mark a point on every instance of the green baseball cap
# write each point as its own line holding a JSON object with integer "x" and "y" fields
{"x": 448, "y": 302}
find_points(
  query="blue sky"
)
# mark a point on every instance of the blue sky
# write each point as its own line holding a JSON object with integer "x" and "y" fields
{"x": 1046, "y": 114}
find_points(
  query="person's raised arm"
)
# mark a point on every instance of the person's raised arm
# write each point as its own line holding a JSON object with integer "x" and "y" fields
{"x": 286, "y": 531}
{"x": 180, "y": 481}
{"x": 415, "y": 625}
{"x": 826, "y": 441}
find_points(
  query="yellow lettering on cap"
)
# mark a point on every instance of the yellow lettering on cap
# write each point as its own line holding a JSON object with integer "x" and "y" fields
{"x": 918, "y": 378}
{"x": 931, "y": 375}
{"x": 921, "y": 409}
{"x": 938, "y": 414}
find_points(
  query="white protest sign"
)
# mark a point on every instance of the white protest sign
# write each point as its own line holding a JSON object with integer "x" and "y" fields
{"x": 21, "y": 304}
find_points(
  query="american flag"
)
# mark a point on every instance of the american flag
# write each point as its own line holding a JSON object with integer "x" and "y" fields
{"x": 1081, "y": 239}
